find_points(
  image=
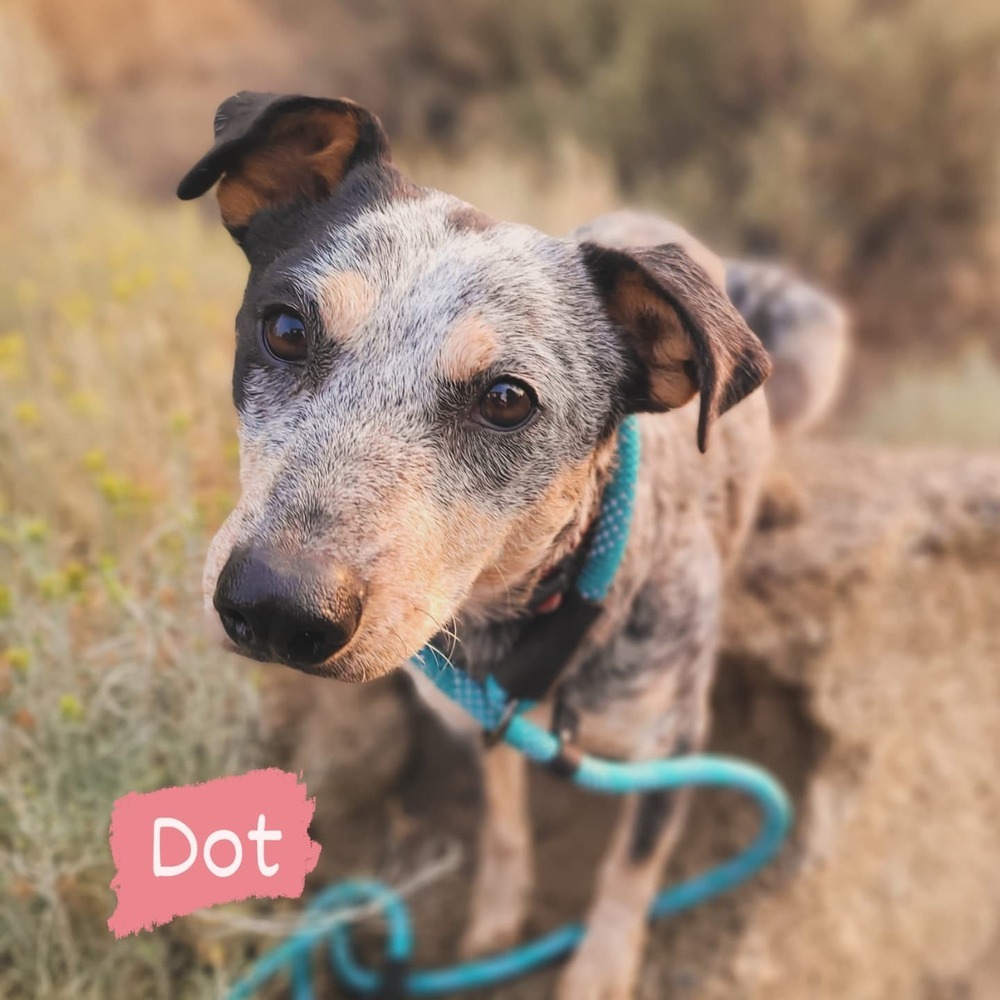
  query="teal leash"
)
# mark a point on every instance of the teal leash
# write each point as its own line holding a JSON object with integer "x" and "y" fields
{"x": 490, "y": 705}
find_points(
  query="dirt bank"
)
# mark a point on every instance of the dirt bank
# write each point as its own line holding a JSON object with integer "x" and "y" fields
{"x": 861, "y": 665}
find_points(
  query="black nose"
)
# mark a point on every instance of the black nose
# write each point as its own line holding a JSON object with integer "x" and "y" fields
{"x": 286, "y": 608}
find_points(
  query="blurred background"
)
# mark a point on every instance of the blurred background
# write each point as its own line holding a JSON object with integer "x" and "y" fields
{"x": 858, "y": 140}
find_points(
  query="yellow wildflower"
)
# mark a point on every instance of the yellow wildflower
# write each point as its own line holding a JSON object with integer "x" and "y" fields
{"x": 52, "y": 586}
{"x": 70, "y": 708}
{"x": 116, "y": 488}
{"x": 180, "y": 422}
{"x": 74, "y": 576}
{"x": 18, "y": 658}
{"x": 94, "y": 460}
{"x": 27, "y": 413}
{"x": 77, "y": 308}
{"x": 144, "y": 277}
{"x": 112, "y": 585}
{"x": 13, "y": 346}
{"x": 36, "y": 530}
{"x": 13, "y": 351}
{"x": 123, "y": 287}
{"x": 85, "y": 404}
{"x": 6, "y": 600}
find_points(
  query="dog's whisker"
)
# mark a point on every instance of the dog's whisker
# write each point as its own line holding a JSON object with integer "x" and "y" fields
{"x": 456, "y": 640}
{"x": 440, "y": 652}
{"x": 395, "y": 632}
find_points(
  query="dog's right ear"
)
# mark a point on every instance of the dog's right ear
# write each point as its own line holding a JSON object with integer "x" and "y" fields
{"x": 684, "y": 335}
{"x": 272, "y": 150}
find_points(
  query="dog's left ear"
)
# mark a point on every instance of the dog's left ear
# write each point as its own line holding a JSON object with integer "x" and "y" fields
{"x": 680, "y": 328}
{"x": 273, "y": 149}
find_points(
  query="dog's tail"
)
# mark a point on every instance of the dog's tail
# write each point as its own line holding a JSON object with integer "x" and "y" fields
{"x": 805, "y": 331}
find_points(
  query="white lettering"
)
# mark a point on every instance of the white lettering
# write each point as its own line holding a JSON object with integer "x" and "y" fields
{"x": 233, "y": 866}
{"x": 161, "y": 870}
{"x": 260, "y": 835}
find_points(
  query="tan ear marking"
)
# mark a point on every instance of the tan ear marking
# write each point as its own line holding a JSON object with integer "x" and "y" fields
{"x": 659, "y": 338}
{"x": 272, "y": 150}
{"x": 302, "y": 156}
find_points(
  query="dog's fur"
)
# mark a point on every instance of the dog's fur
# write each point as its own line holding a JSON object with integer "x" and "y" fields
{"x": 366, "y": 457}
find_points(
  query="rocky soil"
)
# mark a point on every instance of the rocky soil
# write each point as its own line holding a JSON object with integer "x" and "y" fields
{"x": 861, "y": 663}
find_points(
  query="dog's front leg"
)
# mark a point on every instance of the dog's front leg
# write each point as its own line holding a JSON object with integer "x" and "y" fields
{"x": 608, "y": 962}
{"x": 502, "y": 887}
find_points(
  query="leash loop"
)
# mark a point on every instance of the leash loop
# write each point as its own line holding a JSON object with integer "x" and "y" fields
{"x": 395, "y": 975}
{"x": 397, "y": 980}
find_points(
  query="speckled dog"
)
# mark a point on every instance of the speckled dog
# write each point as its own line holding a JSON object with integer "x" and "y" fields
{"x": 428, "y": 402}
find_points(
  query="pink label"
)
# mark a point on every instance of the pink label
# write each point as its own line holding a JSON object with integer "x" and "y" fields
{"x": 180, "y": 849}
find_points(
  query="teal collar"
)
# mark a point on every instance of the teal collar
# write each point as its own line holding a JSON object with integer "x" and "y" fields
{"x": 549, "y": 639}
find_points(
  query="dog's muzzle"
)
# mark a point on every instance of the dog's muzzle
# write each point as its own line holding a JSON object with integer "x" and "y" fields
{"x": 287, "y": 609}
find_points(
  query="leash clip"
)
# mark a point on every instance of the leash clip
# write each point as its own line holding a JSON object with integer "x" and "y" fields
{"x": 569, "y": 756}
{"x": 491, "y": 737}
{"x": 567, "y": 760}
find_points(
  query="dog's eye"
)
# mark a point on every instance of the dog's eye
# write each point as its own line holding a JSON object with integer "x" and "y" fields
{"x": 507, "y": 404}
{"x": 284, "y": 336}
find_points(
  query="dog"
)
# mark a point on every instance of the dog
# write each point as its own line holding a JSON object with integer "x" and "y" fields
{"x": 428, "y": 410}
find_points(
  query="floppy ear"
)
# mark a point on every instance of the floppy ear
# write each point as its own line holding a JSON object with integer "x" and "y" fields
{"x": 273, "y": 149}
{"x": 682, "y": 331}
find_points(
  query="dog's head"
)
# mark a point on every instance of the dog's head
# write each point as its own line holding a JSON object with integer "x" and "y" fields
{"x": 426, "y": 396}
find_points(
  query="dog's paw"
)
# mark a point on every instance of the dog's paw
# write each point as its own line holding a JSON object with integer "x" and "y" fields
{"x": 601, "y": 970}
{"x": 491, "y": 930}
{"x": 580, "y": 982}
{"x": 499, "y": 908}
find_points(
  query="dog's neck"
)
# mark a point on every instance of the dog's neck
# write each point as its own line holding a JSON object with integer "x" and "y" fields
{"x": 525, "y": 581}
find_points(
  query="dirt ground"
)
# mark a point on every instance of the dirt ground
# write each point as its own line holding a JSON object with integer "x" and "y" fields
{"x": 860, "y": 665}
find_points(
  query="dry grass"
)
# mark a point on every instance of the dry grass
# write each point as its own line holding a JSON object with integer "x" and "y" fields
{"x": 953, "y": 404}
{"x": 117, "y": 457}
